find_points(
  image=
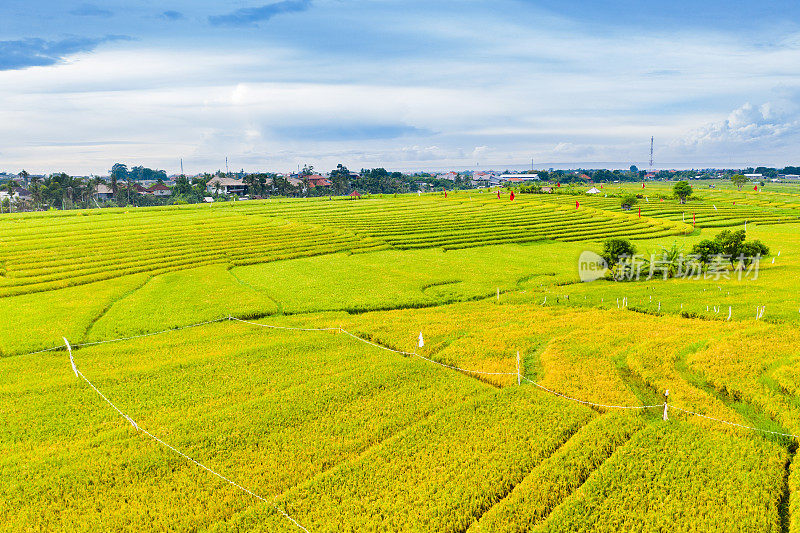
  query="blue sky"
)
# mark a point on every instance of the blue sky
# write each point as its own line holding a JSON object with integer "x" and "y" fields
{"x": 401, "y": 84}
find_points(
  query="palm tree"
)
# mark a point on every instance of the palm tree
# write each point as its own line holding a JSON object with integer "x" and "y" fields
{"x": 10, "y": 186}
{"x": 36, "y": 193}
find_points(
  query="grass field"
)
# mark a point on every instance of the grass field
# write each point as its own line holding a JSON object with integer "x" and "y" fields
{"x": 343, "y": 435}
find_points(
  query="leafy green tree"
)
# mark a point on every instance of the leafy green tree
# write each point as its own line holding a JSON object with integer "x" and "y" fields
{"x": 706, "y": 250}
{"x": 182, "y": 186}
{"x": 730, "y": 242}
{"x": 614, "y": 249}
{"x": 682, "y": 190}
{"x": 629, "y": 199}
{"x": 340, "y": 179}
{"x": 739, "y": 180}
{"x": 118, "y": 172}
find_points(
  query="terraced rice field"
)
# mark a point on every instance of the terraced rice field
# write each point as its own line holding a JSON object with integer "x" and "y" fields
{"x": 346, "y": 423}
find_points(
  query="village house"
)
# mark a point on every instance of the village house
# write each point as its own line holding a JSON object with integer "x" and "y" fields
{"x": 20, "y": 194}
{"x": 226, "y": 186}
{"x": 518, "y": 178}
{"x": 315, "y": 180}
{"x": 159, "y": 189}
{"x": 103, "y": 192}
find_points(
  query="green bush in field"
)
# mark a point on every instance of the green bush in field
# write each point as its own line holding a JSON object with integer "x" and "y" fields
{"x": 629, "y": 200}
{"x": 682, "y": 190}
{"x": 731, "y": 244}
{"x": 614, "y": 249}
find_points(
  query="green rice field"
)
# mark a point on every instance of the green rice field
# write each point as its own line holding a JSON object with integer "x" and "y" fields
{"x": 536, "y": 402}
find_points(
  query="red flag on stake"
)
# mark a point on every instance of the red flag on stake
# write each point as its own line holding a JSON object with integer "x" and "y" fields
{"x": 512, "y": 195}
{"x": 445, "y": 194}
{"x": 694, "y": 218}
{"x": 640, "y": 212}
{"x": 498, "y": 194}
{"x": 662, "y": 199}
{"x": 558, "y": 184}
{"x": 577, "y": 204}
{"x": 642, "y": 185}
{"x": 755, "y": 188}
{"x": 734, "y": 203}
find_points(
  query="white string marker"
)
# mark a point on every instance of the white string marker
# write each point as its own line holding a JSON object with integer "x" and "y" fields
{"x": 519, "y": 376}
{"x": 201, "y": 465}
{"x": 773, "y": 260}
{"x": 498, "y": 294}
{"x": 71, "y": 360}
{"x": 729, "y": 312}
{"x": 779, "y": 253}
{"x": 666, "y": 396}
{"x": 659, "y": 307}
{"x": 715, "y": 208}
{"x": 421, "y": 340}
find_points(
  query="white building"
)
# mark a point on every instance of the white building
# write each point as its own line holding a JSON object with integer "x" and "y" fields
{"x": 226, "y": 185}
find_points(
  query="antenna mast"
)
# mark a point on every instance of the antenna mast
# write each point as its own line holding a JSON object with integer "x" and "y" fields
{"x": 651, "y": 155}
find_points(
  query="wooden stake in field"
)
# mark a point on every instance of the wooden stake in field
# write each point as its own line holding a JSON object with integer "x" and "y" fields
{"x": 519, "y": 376}
{"x": 421, "y": 340}
{"x": 666, "y": 395}
{"x": 498, "y": 294}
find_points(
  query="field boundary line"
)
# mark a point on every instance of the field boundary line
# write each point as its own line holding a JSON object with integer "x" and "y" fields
{"x": 401, "y": 352}
{"x": 590, "y": 403}
{"x": 94, "y": 343}
{"x": 692, "y": 413}
{"x": 376, "y": 345}
{"x": 584, "y": 402}
{"x": 136, "y": 427}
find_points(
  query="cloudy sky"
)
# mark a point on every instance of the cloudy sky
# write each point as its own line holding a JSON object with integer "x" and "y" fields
{"x": 397, "y": 83}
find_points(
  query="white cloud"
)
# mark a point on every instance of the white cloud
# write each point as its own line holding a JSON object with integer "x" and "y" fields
{"x": 746, "y": 124}
{"x": 499, "y": 95}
